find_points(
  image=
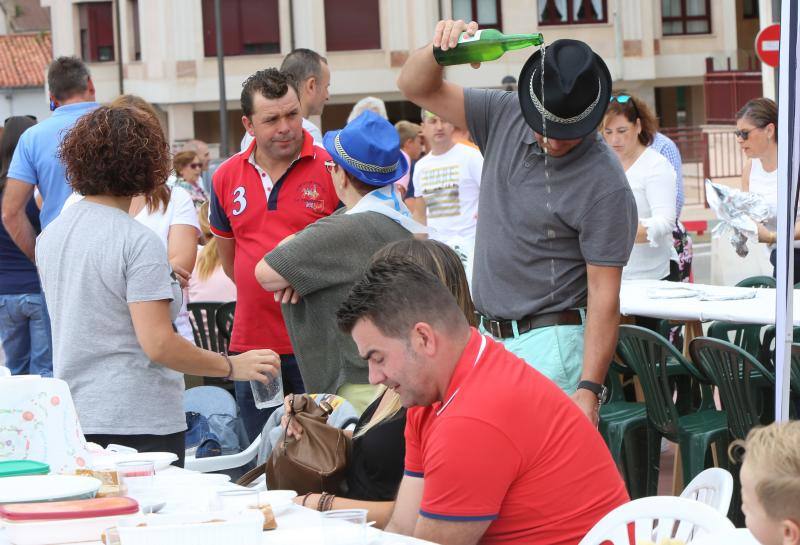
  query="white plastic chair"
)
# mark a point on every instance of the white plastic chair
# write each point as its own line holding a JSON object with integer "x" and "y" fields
{"x": 222, "y": 463}
{"x": 656, "y": 518}
{"x": 714, "y": 487}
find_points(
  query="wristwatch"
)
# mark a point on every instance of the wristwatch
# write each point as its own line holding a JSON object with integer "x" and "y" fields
{"x": 599, "y": 390}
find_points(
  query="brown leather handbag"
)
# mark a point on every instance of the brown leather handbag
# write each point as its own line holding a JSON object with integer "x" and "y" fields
{"x": 314, "y": 463}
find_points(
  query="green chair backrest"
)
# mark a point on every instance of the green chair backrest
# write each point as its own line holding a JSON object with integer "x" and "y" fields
{"x": 767, "y": 353}
{"x": 204, "y": 326}
{"x": 732, "y": 370}
{"x": 794, "y": 382}
{"x": 757, "y": 282}
{"x": 224, "y": 321}
{"x": 647, "y": 354}
{"x": 746, "y": 336}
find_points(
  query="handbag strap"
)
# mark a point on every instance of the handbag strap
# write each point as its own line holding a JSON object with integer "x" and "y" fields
{"x": 252, "y": 475}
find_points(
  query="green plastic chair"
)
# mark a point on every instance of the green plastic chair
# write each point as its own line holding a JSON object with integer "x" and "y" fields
{"x": 757, "y": 282}
{"x": 204, "y": 325}
{"x": 623, "y": 427}
{"x": 224, "y": 320}
{"x": 739, "y": 377}
{"x": 745, "y": 336}
{"x": 648, "y": 354}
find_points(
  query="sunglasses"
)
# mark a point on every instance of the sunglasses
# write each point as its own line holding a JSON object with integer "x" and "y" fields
{"x": 196, "y": 165}
{"x": 624, "y": 99}
{"x": 744, "y": 134}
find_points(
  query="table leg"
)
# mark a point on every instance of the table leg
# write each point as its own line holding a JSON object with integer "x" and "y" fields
{"x": 691, "y": 330}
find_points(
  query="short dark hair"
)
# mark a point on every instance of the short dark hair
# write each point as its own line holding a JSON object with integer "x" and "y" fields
{"x": 270, "y": 83}
{"x": 67, "y": 77}
{"x": 302, "y": 64}
{"x": 394, "y": 294}
{"x": 119, "y": 151}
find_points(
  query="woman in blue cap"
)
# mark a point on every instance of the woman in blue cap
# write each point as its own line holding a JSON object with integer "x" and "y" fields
{"x": 312, "y": 271}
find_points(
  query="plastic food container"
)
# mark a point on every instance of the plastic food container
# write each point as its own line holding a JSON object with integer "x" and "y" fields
{"x": 213, "y": 528}
{"x": 16, "y": 468}
{"x": 64, "y": 521}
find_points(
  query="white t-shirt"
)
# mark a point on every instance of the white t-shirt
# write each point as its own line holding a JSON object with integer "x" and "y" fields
{"x": 180, "y": 211}
{"x": 316, "y": 134}
{"x": 450, "y": 184}
{"x": 652, "y": 181}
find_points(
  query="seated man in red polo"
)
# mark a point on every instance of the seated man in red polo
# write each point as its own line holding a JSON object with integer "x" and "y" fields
{"x": 495, "y": 452}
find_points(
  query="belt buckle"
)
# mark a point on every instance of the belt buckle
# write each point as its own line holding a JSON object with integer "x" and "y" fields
{"x": 495, "y": 329}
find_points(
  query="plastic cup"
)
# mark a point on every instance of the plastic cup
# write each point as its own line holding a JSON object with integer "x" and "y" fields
{"x": 136, "y": 479}
{"x": 237, "y": 500}
{"x": 269, "y": 394}
{"x": 345, "y": 526}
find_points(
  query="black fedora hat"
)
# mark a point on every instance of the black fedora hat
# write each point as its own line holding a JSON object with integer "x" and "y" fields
{"x": 577, "y": 87}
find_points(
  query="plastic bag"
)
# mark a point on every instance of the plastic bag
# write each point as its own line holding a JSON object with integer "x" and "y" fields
{"x": 739, "y": 213}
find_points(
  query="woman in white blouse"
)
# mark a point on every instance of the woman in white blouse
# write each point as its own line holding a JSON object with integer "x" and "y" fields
{"x": 628, "y": 128}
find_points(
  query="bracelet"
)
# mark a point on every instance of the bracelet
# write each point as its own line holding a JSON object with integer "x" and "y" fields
{"x": 230, "y": 365}
{"x": 321, "y": 502}
{"x": 303, "y": 503}
{"x": 329, "y": 502}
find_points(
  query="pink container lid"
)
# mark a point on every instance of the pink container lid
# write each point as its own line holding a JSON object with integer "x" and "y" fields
{"x": 72, "y": 509}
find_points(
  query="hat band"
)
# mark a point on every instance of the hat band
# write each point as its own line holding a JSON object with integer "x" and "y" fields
{"x": 360, "y": 165}
{"x": 550, "y": 116}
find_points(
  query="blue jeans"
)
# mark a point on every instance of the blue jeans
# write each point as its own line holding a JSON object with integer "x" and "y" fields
{"x": 25, "y": 334}
{"x": 254, "y": 419}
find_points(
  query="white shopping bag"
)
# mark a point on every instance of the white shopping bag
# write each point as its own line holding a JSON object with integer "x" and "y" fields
{"x": 38, "y": 422}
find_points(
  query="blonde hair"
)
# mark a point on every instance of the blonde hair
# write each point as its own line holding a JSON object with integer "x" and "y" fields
{"x": 774, "y": 451}
{"x": 439, "y": 259}
{"x": 207, "y": 259}
{"x": 407, "y": 130}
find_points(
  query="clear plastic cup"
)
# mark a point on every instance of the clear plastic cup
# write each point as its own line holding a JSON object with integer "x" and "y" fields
{"x": 136, "y": 479}
{"x": 345, "y": 526}
{"x": 237, "y": 500}
{"x": 269, "y": 394}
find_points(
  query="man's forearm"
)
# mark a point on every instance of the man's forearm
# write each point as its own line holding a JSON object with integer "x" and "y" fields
{"x": 600, "y": 336}
{"x": 21, "y": 231}
{"x": 421, "y": 74}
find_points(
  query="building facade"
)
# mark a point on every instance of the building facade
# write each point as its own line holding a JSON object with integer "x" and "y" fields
{"x": 165, "y": 50}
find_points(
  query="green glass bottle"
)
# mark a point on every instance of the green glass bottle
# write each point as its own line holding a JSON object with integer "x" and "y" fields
{"x": 486, "y": 45}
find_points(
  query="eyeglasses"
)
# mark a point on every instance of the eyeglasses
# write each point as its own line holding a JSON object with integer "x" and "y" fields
{"x": 745, "y": 133}
{"x": 624, "y": 99}
{"x": 196, "y": 165}
{"x": 331, "y": 166}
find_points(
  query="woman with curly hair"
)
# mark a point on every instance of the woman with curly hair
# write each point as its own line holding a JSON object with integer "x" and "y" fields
{"x": 111, "y": 297}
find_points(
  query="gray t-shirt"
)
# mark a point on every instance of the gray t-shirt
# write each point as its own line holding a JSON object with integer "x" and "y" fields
{"x": 535, "y": 234}
{"x": 93, "y": 260}
{"x": 322, "y": 263}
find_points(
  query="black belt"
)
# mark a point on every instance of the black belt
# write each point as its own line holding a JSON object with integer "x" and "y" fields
{"x": 504, "y": 329}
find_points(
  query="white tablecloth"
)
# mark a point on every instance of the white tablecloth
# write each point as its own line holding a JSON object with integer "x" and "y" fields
{"x": 295, "y": 525}
{"x": 635, "y": 301}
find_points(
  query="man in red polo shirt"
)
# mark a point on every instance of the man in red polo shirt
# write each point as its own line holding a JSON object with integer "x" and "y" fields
{"x": 273, "y": 189}
{"x": 495, "y": 451}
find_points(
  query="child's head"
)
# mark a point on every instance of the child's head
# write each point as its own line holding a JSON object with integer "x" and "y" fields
{"x": 770, "y": 478}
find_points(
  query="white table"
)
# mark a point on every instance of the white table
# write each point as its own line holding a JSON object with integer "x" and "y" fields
{"x": 295, "y": 525}
{"x": 634, "y": 301}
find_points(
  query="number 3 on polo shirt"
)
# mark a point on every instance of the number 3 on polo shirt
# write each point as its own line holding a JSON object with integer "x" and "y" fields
{"x": 239, "y": 200}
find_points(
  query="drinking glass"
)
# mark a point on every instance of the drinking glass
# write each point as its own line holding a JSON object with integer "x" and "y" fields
{"x": 345, "y": 526}
{"x": 269, "y": 394}
{"x": 136, "y": 478}
{"x": 237, "y": 500}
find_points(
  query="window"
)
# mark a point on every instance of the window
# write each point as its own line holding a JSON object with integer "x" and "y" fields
{"x": 133, "y": 17}
{"x": 572, "y": 12}
{"x": 352, "y": 24}
{"x": 750, "y": 9}
{"x": 685, "y": 17}
{"x": 249, "y": 27}
{"x": 96, "y": 31}
{"x": 485, "y": 12}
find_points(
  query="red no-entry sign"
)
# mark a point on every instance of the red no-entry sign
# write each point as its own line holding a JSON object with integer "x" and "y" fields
{"x": 767, "y": 44}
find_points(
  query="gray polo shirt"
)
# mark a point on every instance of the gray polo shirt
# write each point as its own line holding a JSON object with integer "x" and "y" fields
{"x": 535, "y": 233}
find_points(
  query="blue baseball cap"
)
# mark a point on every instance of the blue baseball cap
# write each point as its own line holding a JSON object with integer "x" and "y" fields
{"x": 369, "y": 149}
